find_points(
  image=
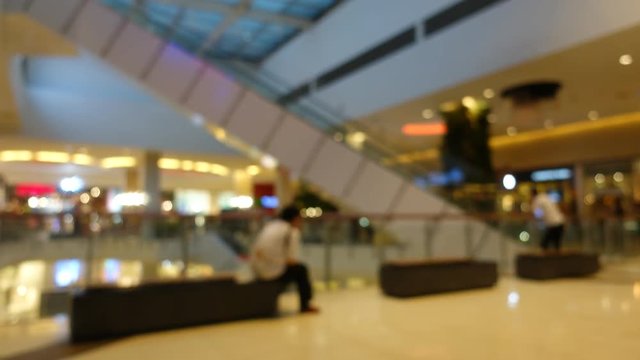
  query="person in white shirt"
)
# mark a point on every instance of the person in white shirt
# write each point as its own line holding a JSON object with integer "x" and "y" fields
{"x": 548, "y": 211}
{"x": 275, "y": 255}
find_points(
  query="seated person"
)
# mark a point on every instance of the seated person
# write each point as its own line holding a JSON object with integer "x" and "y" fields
{"x": 275, "y": 255}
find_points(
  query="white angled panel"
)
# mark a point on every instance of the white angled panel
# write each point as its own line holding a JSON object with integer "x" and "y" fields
{"x": 94, "y": 27}
{"x": 334, "y": 165}
{"x": 134, "y": 50}
{"x": 374, "y": 189}
{"x": 293, "y": 143}
{"x": 173, "y": 73}
{"x": 213, "y": 96}
{"x": 14, "y": 5}
{"x": 416, "y": 201}
{"x": 253, "y": 119}
{"x": 54, "y": 14}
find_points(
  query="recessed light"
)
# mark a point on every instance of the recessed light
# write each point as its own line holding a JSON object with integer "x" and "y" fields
{"x": 489, "y": 93}
{"x": 626, "y": 59}
{"x": 593, "y": 115}
{"x": 427, "y": 114}
{"x": 512, "y": 131}
{"x": 469, "y": 101}
{"x": 492, "y": 118}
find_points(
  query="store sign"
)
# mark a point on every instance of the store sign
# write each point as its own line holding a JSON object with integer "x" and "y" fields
{"x": 551, "y": 175}
{"x": 26, "y": 190}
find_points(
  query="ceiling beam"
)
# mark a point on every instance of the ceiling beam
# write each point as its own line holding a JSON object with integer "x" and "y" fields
{"x": 241, "y": 10}
{"x": 229, "y": 19}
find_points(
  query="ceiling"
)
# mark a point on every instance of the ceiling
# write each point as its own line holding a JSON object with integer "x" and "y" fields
{"x": 248, "y": 30}
{"x": 21, "y": 35}
{"x": 592, "y": 79}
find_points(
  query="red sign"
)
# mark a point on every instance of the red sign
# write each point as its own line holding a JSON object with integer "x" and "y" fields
{"x": 26, "y": 190}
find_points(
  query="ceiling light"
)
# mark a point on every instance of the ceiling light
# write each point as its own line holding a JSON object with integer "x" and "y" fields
{"x": 52, "y": 157}
{"x": 512, "y": 131}
{"x": 593, "y": 115}
{"x": 356, "y": 140}
{"x": 489, "y": 93}
{"x": 599, "y": 178}
{"x": 427, "y": 114}
{"x": 626, "y": 59}
{"x": 469, "y": 102}
{"x": 16, "y": 155}
{"x": 220, "y": 134}
{"x": 218, "y": 169}
{"x": 269, "y": 162}
{"x": 197, "y": 119}
{"x": 169, "y": 164}
{"x": 202, "y": 166}
{"x": 118, "y": 162}
{"x": 187, "y": 165}
{"x": 253, "y": 170}
{"x": 81, "y": 159}
{"x": 492, "y": 118}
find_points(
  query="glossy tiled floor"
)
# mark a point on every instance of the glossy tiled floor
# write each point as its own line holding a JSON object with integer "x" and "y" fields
{"x": 595, "y": 318}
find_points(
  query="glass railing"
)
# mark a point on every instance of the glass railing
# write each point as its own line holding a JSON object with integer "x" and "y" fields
{"x": 45, "y": 257}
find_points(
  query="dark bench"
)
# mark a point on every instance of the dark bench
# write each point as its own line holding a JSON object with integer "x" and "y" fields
{"x": 405, "y": 279}
{"x": 55, "y": 302}
{"x": 106, "y": 312}
{"x": 552, "y": 266}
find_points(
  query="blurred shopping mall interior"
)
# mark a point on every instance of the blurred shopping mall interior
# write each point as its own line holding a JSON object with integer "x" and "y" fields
{"x": 144, "y": 144}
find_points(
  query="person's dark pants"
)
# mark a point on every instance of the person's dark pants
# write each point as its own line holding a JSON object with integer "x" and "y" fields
{"x": 298, "y": 274}
{"x": 553, "y": 237}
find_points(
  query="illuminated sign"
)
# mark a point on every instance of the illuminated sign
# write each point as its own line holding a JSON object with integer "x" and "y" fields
{"x": 551, "y": 175}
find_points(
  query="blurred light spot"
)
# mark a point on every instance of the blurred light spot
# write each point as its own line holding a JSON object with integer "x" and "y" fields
{"x": 513, "y": 299}
{"x": 618, "y": 177}
{"x": 489, "y": 93}
{"x": 95, "y": 191}
{"x": 509, "y": 182}
{"x": 167, "y": 205}
{"x": 626, "y": 60}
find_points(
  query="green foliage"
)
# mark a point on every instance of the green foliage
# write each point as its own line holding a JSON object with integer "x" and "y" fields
{"x": 465, "y": 147}
{"x": 306, "y": 197}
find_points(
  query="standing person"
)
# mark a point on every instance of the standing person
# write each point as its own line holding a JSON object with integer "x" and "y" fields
{"x": 553, "y": 219}
{"x": 276, "y": 255}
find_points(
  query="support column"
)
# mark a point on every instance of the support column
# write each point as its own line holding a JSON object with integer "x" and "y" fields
{"x": 284, "y": 188}
{"x": 150, "y": 184}
{"x": 242, "y": 183}
{"x": 578, "y": 183}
